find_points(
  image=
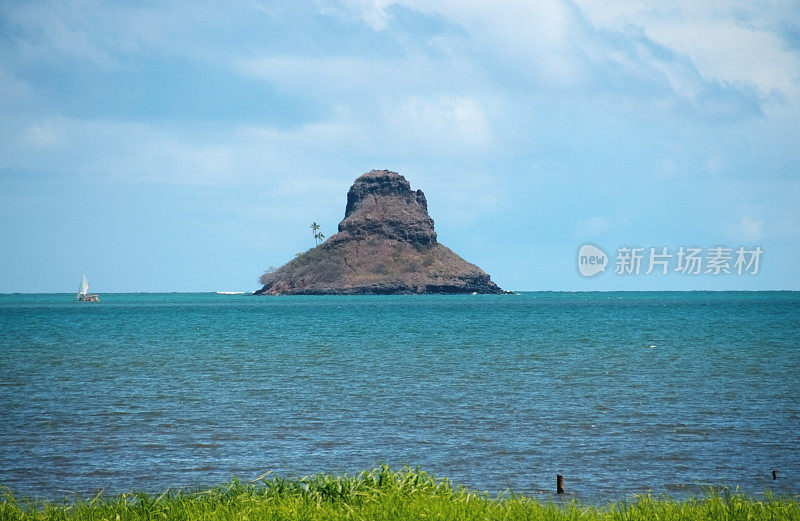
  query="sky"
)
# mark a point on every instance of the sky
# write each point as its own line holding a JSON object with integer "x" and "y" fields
{"x": 187, "y": 146}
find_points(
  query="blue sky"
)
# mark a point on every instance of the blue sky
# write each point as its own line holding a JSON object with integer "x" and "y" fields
{"x": 182, "y": 146}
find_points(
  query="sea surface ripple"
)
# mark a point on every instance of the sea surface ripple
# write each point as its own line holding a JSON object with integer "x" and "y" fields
{"x": 622, "y": 393}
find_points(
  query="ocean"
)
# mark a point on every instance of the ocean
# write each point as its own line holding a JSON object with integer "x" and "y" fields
{"x": 621, "y": 393}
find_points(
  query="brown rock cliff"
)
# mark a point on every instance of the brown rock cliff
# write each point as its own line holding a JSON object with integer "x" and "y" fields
{"x": 386, "y": 245}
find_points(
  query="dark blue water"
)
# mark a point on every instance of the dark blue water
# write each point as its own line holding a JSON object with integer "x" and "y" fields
{"x": 619, "y": 392}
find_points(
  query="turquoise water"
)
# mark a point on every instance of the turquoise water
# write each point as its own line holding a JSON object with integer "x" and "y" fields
{"x": 619, "y": 392}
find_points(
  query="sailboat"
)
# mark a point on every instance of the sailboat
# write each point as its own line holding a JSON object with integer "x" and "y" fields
{"x": 83, "y": 291}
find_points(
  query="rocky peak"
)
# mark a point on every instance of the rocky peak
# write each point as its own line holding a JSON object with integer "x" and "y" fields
{"x": 385, "y": 245}
{"x": 382, "y": 203}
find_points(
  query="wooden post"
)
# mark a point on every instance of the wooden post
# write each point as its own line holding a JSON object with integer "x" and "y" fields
{"x": 774, "y": 474}
{"x": 559, "y": 484}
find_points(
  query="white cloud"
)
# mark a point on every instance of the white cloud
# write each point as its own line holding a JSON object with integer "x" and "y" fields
{"x": 131, "y": 152}
{"x": 236, "y": 154}
{"x": 750, "y": 229}
{"x": 536, "y": 38}
{"x": 373, "y": 12}
{"x": 12, "y": 89}
{"x": 305, "y": 74}
{"x": 44, "y": 134}
{"x": 446, "y": 123}
{"x": 595, "y": 226}
{"x": 733, "y": 42}
{"x": 358, "y": 81}
{"x": 717, "y": 60}
{"x": 55, "y": 31}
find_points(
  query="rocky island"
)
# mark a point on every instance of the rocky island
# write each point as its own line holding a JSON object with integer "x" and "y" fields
{"x": 386, "y": 244}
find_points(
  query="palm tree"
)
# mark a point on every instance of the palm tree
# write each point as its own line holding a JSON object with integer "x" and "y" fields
{"x": 319, "y": 236}
{"x": 314, "y": 228}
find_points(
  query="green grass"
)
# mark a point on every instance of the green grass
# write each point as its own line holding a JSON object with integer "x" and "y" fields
{"x": 385, "y": 494}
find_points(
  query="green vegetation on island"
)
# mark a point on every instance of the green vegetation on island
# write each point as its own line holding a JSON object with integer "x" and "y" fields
{"x": 318, "y": 235}
{"x": 386, "y": 494}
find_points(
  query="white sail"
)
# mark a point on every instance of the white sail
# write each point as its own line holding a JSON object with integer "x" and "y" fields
{"x": 84, "y": 288}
